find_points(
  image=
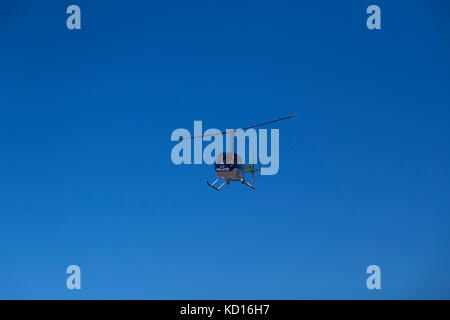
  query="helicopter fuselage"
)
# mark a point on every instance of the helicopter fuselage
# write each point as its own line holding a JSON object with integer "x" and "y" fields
{"x": 231, "y": 172}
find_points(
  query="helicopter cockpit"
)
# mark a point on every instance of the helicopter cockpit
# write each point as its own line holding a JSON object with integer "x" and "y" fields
{"x": 225, "y": 162}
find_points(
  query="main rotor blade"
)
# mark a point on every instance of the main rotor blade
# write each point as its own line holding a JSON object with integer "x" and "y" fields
{"x": 269, "y": 122}
{"x": 228, "y": 132}
{"x": 206, "y": 135}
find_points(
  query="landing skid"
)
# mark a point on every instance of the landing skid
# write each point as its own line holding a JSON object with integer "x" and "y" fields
{"x": 212, "y": 184}
{"x": 226, "y": 182}
{"x": 248, "y": 184}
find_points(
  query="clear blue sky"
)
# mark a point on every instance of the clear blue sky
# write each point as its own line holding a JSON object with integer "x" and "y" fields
{"x": 86, "y": 176}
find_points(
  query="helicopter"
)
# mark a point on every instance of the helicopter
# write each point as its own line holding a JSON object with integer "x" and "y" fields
{"x": 228, "y": 166}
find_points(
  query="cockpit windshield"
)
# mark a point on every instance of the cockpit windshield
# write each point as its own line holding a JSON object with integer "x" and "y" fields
{"x": 228, "y": 158}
